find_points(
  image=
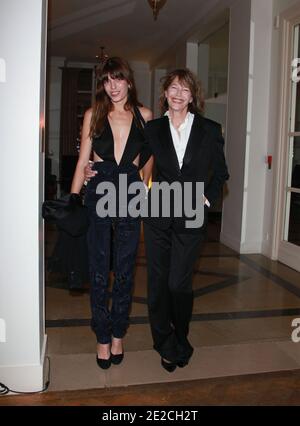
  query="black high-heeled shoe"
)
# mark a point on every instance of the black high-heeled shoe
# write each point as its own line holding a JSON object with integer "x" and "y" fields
{"x": 182, "y": 364}
{"x": 103, "y": 363}
{"x": 117, "y": 359}
{"x": 169, "y": 366}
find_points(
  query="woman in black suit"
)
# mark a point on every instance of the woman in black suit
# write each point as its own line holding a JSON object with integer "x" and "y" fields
{"x": 187, "y": 148}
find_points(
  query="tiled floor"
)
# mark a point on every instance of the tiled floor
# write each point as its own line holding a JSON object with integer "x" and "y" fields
{"x": 243, "y": 310}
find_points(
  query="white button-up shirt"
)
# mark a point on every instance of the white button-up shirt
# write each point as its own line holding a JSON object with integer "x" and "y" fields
{"x": 180, "y": 138}
{"x": 181, "y": 135}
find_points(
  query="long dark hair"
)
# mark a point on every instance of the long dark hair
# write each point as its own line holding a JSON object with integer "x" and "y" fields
{"x": 115, "y": 68}
{"x": 186, "y": 77}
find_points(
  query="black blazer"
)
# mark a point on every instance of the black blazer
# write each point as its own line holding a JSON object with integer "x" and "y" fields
{"x": 203, "y": 162}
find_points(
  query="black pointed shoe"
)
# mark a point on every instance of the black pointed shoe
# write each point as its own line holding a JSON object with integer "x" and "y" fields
{"x": 117, "y": 359}
{"x": 169, "y": 366}
{"x": 182, "y": 364}
{"x": 103, "y": 363}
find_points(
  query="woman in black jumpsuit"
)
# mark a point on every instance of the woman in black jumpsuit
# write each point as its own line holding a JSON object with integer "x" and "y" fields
{"x": 113, "y": 130}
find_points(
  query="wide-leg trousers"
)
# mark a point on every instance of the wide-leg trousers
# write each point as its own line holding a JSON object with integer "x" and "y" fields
{"x": 107, "y": 322}
{"x": 171, "y": 257}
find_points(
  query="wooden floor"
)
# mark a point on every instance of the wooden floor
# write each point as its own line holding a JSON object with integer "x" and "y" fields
{"x": 281, "y": 388}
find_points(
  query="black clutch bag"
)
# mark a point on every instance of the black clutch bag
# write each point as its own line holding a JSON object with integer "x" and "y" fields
{"x": 68, "y": 213}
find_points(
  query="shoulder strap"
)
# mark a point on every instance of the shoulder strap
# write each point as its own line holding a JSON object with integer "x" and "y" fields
{"x": 139, "y": 116}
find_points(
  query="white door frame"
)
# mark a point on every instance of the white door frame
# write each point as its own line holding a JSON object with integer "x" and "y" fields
{"x": 282, "y": 250}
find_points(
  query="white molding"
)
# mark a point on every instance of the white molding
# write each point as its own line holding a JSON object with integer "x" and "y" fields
{"x": 231, "y": 242}
{"x": 266, "y": 249}
{"x": 26, "y": 377}
{"x": 251, "y": 247}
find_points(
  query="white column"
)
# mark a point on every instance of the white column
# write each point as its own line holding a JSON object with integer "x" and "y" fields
{"x": 236, "y": 129}
{"x": 203, "y": 65}
{"x": 192, "y": 57}
{"x": 256, "y": 170}
{"x": 22, "y": 46}
{"x": 247, "y": 124}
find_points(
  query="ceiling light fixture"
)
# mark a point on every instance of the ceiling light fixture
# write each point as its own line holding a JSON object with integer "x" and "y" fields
{"x": 102, "y": 58}
{"x": 156, "y": 6}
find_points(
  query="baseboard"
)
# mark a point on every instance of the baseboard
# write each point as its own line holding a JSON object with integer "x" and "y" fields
{"x": 266, "y": 249}
{"x": 228, "y": 241}
{"x": 27, "y": 377}
{"x": 251, "y": 247}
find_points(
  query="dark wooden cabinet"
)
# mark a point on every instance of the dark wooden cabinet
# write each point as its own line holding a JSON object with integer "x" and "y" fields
{"x": 77, "y": 95}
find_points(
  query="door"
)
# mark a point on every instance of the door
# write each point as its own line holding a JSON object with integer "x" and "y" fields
{"x": 289, "y": 244}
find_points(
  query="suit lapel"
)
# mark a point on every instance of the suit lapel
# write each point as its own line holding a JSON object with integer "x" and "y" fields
{"x": 195, "y": 140}
{"x": 167, "y": 142}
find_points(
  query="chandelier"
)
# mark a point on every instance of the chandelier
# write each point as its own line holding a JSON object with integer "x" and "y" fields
{"x": 102, "y": 58}
{"x": 156, "y": 5}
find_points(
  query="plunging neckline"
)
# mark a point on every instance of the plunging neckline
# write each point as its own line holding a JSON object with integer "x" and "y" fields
{"x": 129, "y": 134}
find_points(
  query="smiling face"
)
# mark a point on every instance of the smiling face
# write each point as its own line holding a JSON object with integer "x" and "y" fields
{"x": 178, "y": 96}
{"x": 116, "y": 89}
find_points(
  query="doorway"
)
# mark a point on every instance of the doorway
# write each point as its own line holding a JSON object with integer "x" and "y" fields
{"x": 288, "y": 232}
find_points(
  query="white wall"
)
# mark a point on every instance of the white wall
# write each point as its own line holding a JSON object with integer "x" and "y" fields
{"x": 22, "y": 32}
{"x": 216, "y": 109}
{"x": 256, "y": 169}
{"x": 192, "y": 57}
{"x": 203, "y": 65}
{"x": 239, "y": 42}
{"x": 142, "y": 75}
{"x": 247, "y": 125}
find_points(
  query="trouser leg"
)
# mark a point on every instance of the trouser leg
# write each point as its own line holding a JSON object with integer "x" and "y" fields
{"x": 185, "y": 251}
{"x": 98, "y": 239}
{"x": 126, "y": 239}
{"x": 158, "y": 255}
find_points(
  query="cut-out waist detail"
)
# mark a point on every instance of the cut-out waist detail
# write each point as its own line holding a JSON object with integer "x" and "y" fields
{"x": 112, "y": 167}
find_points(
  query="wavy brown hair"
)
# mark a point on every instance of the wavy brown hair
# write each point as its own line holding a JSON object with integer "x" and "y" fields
{"x": 115, "y": 68}
{"x": 187, "y": 78}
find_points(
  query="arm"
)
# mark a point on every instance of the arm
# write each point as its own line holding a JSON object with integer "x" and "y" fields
{"x": 147, "y": 167}
{"x": 147, "y": 170}
{"x": 84, "y": 156}
{"x": 220, "y": 172}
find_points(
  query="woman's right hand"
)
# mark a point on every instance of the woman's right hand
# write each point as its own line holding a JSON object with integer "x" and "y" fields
{"x": 88, "y": 172}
